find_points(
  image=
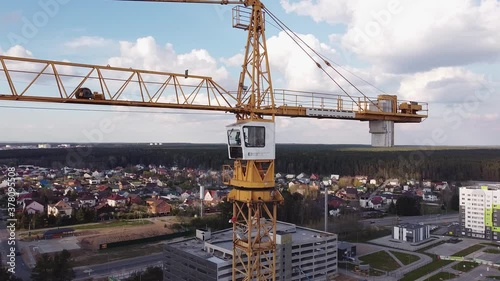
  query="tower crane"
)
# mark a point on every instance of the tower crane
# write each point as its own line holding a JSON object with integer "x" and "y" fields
{"x": 250, "y": 140}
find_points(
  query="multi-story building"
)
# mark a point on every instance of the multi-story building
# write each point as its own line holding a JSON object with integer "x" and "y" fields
{"x": 480, "y": 211}
{"x": 412, "y": 233}
{"x": 301, "y": 254}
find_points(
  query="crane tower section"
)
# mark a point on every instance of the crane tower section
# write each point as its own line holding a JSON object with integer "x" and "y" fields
{"x": 250, "y": 140}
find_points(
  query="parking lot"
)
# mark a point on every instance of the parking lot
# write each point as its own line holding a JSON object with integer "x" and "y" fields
{"x": 448, "y": 249}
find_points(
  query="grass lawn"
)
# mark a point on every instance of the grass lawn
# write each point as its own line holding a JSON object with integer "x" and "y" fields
{"x": 468, "y": 251}
{"x": 419, "y": 272}
{"x": 442, "y": 276}
{"x": 465, "y": 266}
{"x": 112, "y": 224}
{"x": 436, "y": 263}
{"x": 492, "y": 251}
{"x": 430, "y": 209}
{"x": 406, "y": 259}
{"x": 491, "y": 244}
{"x": 380, "y": 260}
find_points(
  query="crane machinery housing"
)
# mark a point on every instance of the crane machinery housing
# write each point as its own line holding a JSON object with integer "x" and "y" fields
{"x": 250, "y": 140}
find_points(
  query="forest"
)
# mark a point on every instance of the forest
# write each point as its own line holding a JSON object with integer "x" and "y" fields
{"x": 440, "y": 163}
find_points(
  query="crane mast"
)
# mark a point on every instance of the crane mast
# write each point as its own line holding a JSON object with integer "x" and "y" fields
{"x": 250, "y": 140}
{"x": 254, "y": 196}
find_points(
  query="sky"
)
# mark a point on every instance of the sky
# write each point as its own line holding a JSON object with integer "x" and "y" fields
{"x": 446, "y": 53}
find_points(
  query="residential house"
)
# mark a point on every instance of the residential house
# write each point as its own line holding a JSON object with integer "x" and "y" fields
{"x": 430, "y": 197}
{"x": 32, "y": 207}
{"x": 23, "y": 197}
{"x": 351, "y": 194}
{"x": 87, "y": 200}
{"x": 210, "y": 196}
{"x": 440, "y": 186}
{"x": 61, "y": 208}
{"x": 376, "y": 203}
{"x": 116, "y": 200}
{"x": 335, "y": 202}
{"x": 185, "y": 195}
{"x": 134, "y": 199}
{"x": 389, "y": 197}
{"x": 363, "y": 200}
{"x": 158, "y": 206}
{"x": 94, "y": 181}
{"x": 394, "y": 182}
{"x": 362, "y": 179}
{"x": 104, "y": 211}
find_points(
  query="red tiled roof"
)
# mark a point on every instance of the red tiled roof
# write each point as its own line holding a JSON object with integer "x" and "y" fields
{"x": 116, "y": 197}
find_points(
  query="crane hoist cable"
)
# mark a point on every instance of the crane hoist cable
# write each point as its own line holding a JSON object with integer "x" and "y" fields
{"x": 296, "y": 38}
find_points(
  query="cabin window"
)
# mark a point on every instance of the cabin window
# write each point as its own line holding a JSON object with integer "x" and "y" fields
{"x": 254, "y": 136}
{"x": 234, "y": 137}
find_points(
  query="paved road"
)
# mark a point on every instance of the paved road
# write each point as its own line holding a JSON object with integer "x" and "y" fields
{"x": 118, "y": 267}
{"x": 431, "y": 219}
{"x": 21, "y": 270}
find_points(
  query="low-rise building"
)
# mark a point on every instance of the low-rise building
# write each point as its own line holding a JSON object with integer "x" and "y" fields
{"x": 301, "y": 254}
{"x": 412, "y": 233}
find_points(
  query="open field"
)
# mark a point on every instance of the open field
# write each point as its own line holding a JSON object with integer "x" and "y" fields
{"x": 406, "y": 259}
{"x": 465, "y": 266}
{"x": 89, "y": 237}
{"x": 380, "y": 260}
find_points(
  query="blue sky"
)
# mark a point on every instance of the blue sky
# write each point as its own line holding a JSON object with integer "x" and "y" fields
{"x": 441, "y": 53}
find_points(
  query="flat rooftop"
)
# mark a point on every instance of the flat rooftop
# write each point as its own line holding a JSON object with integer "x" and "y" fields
{"x": 223, "y": 241}
{"x": 489, "y": 186}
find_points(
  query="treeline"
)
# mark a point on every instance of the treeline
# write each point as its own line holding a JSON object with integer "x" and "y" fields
{"x": 457, "y": 164}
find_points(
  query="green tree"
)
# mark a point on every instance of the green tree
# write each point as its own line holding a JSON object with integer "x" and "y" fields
{"x": 455, "y": 202}
{"x": 408, "y": 206}
{"x": 62, "y": 269}
{"x": 392, "y": 208}
{"x": 42, "y": 270}
{"x": 53, "y": 268}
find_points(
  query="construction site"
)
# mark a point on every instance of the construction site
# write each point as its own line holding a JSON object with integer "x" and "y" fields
{"x": 258, "y": 247}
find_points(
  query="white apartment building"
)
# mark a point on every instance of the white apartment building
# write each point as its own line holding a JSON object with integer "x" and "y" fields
{"x": 480, "y": 212}
{"x": 301, "y": 254}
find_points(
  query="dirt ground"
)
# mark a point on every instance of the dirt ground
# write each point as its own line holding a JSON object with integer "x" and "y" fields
{"x": 91, "y": 239}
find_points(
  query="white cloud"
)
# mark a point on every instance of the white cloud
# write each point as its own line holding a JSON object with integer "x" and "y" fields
{"x": 145, "y": 53}
{"x": 236, "y": 60}
{"x": 298, "y": 70}
{"x": 442, "y": 85}
{"x": 412, "y": 36}
{"x": 17, "y": 51}
{"x": 322, "y": 10}
{"x": 89, "y": 42}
